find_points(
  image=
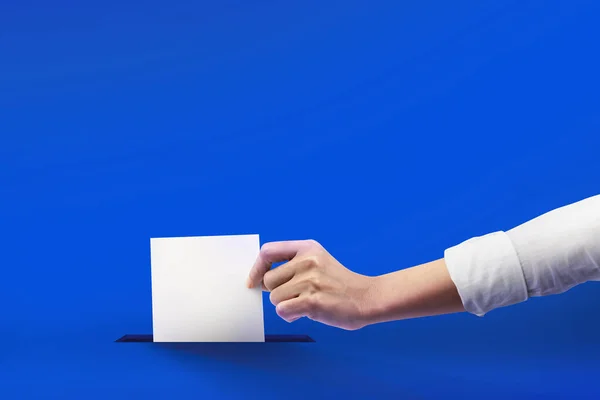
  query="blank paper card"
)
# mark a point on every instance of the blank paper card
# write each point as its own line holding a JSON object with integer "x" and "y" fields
{"x": 199, "y": 292}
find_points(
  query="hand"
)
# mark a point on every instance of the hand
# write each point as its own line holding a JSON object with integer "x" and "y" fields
{"x": 311, "y": 284}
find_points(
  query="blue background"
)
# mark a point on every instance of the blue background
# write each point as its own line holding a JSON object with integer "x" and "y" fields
{"x": 388, "y": 131}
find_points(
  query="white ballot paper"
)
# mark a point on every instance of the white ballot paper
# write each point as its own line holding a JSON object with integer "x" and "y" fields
{"x": 199, "y": 291}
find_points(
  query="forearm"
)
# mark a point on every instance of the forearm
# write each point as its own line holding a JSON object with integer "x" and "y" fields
{"x": 420, "y": 291}
{"x": 547, "y": 255}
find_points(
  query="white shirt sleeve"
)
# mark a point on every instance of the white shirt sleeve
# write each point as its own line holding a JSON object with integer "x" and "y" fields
{"x": 547, "y": 255}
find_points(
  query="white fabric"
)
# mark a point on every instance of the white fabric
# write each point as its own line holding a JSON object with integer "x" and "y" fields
{"x": 547, "y": 255}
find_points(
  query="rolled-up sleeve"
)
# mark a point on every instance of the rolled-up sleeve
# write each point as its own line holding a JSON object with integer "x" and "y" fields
{"x": 547, "y": 255}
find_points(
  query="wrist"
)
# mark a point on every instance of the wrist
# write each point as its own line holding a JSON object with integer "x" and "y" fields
{"x": 374, "y": 305}
{"x": 424, "y": 290}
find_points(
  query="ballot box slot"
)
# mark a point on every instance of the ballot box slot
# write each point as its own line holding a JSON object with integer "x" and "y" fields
{"x": 268, "y": 339}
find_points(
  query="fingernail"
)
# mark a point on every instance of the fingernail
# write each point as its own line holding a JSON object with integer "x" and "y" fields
{"x": 248, "y": 283}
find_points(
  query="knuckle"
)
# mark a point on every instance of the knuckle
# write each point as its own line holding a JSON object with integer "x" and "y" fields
{"x": 311, "y": 262}
{"x": 268, "y": 280}
{"x": 313, "y": 301}
{"x": 315, "y": 281}
{"x": 284, "y": 313}
{"x": 266, "y": 248}
{"x": 279, "y": 311}
{"x": 273, "y": 298}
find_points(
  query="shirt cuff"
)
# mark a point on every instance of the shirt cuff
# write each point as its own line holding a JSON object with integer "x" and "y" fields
{"x": 487, "y": 273}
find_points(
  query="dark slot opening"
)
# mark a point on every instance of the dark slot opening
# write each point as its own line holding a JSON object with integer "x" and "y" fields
{"x": 268, "y": 338}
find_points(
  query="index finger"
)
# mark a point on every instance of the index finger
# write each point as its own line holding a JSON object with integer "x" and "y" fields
{"x": 270, "y": 253}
